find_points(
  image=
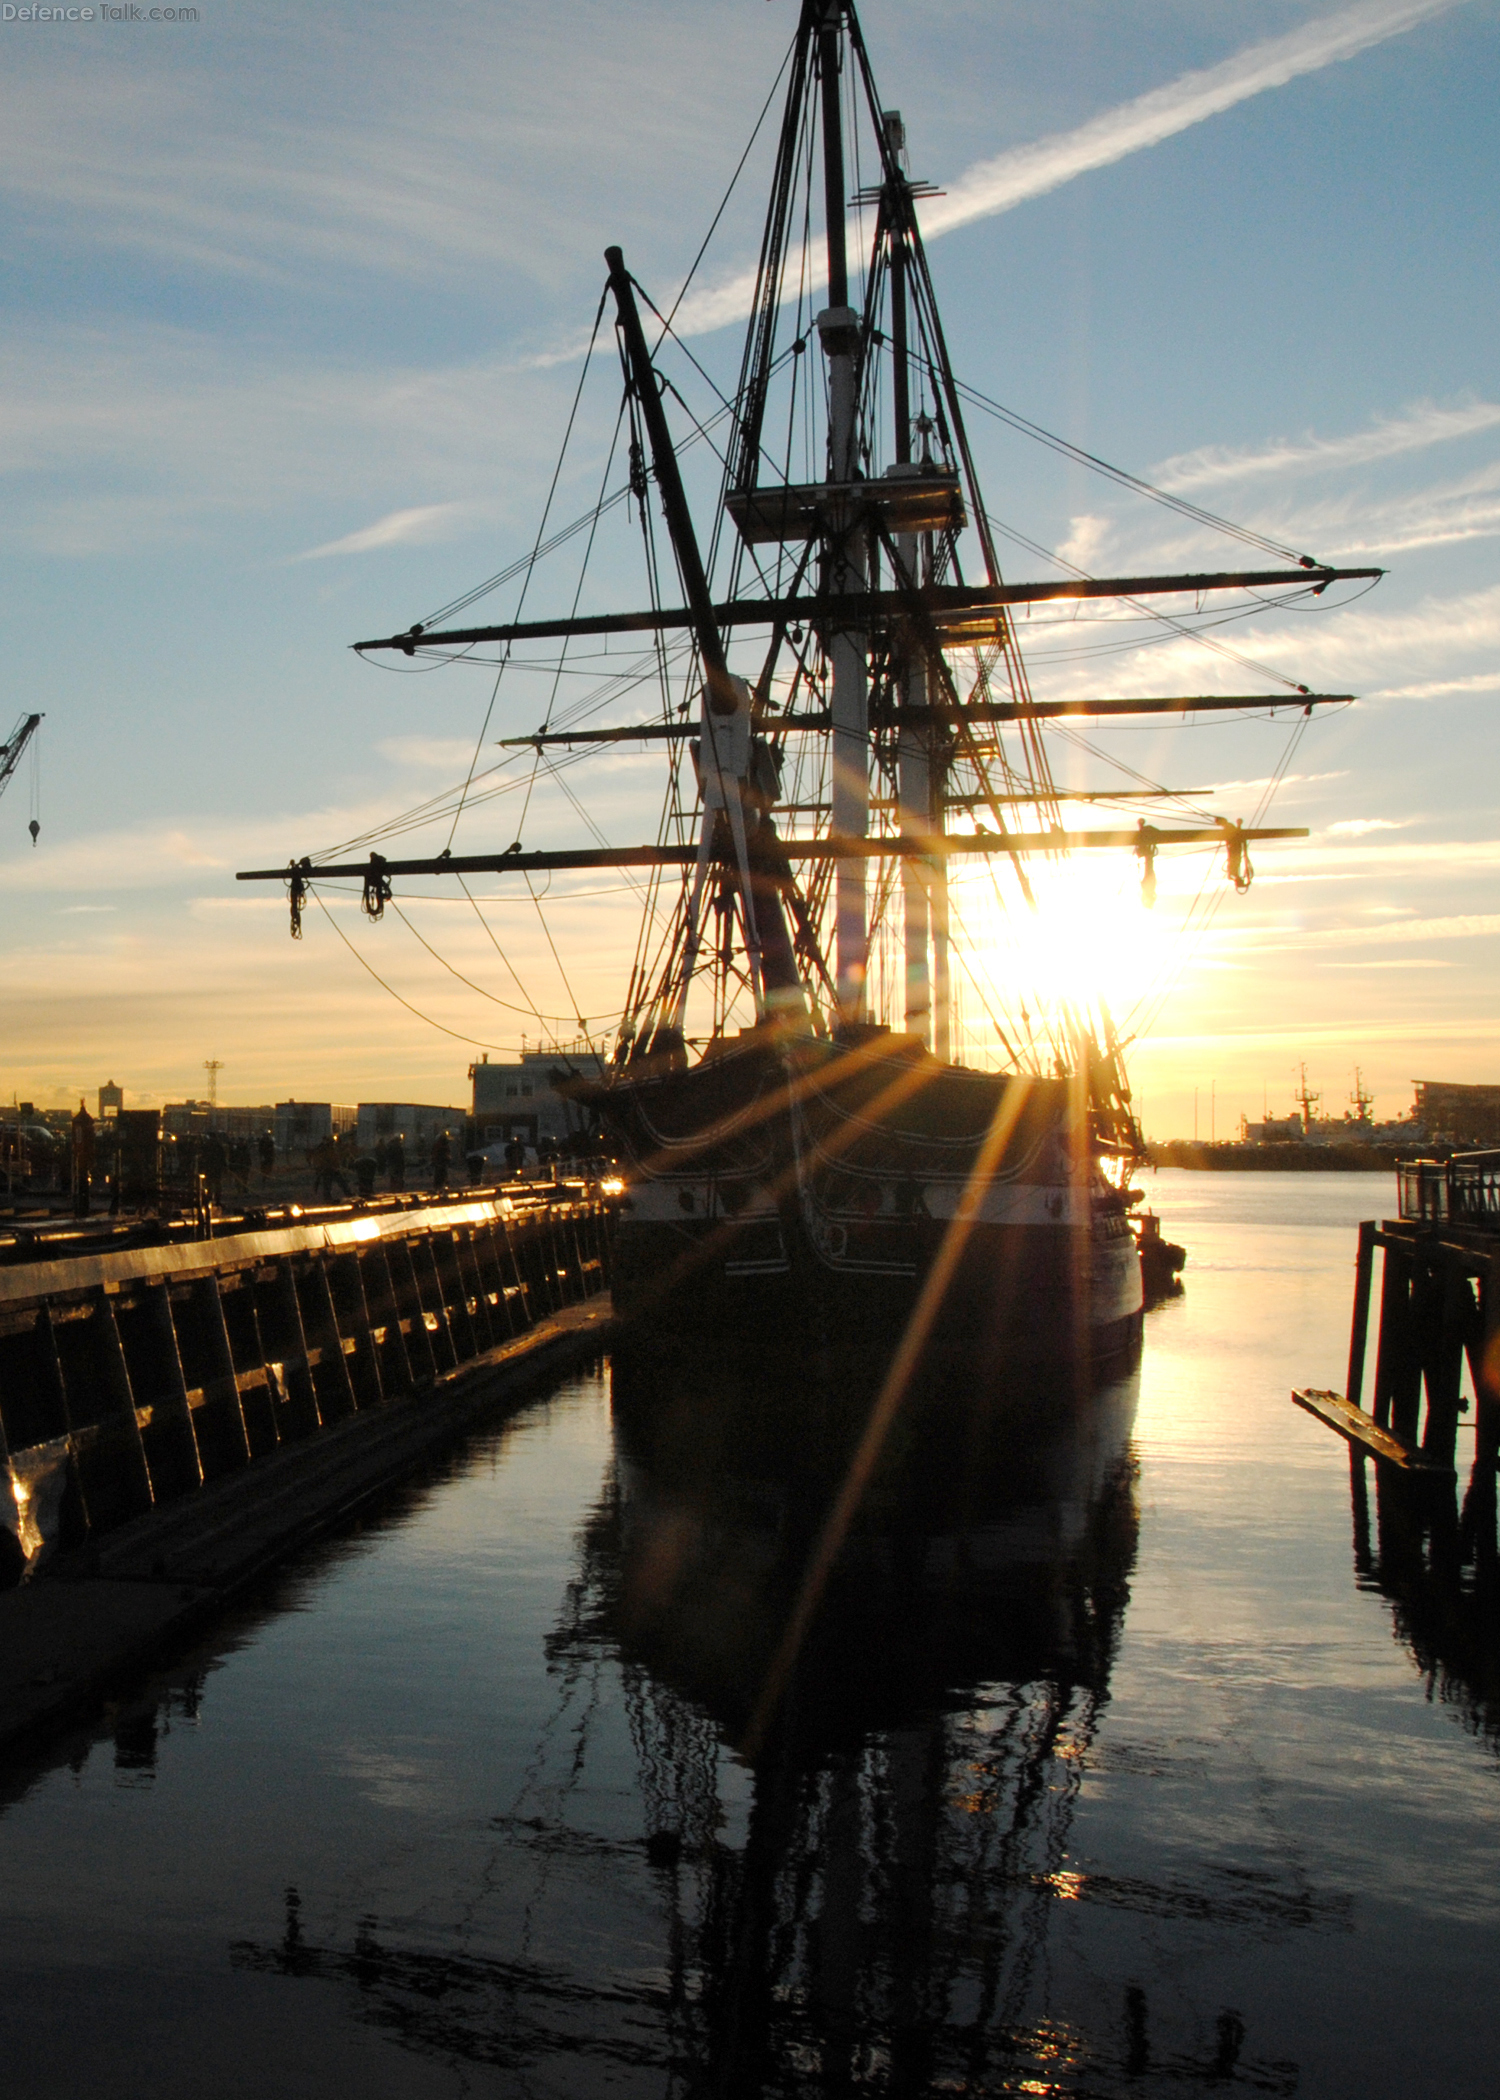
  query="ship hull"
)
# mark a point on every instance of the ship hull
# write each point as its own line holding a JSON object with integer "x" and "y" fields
{"x": 815, "y": 1195}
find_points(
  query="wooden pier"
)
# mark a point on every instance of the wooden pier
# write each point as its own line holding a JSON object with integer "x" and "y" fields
{"x": 1439, "y": 1313}
{"x": 173, "y": 1418}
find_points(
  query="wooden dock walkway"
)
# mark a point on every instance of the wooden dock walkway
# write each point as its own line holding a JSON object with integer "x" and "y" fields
{"x": 174, "y": 1419}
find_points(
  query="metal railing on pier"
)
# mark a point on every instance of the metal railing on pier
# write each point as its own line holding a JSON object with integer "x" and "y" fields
{"x": 1463, "y": 1190}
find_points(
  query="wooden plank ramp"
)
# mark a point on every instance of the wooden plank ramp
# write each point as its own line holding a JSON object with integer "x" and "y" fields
{"x": 1359, "y": 1428}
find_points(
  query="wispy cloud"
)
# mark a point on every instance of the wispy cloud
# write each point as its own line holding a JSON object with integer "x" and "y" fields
{"x": 1421, "y": 425}
{"x": 1351, "y": 524}
{"x": 1457, "y": 926}
{"x": 1440, "y": 641}
{"x": 142, "y": 434}
{"x": 1439, "y": 688}
{"x": 448, "y": 754}
{"x": 426, "y": 522}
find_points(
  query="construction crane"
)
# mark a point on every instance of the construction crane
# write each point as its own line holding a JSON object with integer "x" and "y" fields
{"x": 10, "y": 757}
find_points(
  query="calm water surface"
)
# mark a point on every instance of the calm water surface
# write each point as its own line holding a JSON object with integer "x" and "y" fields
{"x": 1171, "y": 1768}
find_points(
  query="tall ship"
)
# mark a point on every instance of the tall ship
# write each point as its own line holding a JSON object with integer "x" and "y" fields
{"x": 848, "y": 731}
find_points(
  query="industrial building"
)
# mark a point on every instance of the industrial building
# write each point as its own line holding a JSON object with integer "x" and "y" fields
{"x": 1466, "y": 1116}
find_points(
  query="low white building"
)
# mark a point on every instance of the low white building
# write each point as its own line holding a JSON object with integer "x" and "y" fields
{"x": 521, "y": 1101}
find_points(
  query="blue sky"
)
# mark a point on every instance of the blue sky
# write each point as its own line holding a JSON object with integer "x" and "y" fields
{"x": 289, "y": 302}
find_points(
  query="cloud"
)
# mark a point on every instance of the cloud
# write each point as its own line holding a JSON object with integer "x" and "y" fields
{"x": 428, "y": 521}
{"x": 1353, "y": 526}
{"x": 1439, "y": 688}
{"x": 1458, "y": 926}
{"x": 1357, "y": 648}
{"x": 446, "y": 754}
{"x": 144, "y": 434}
{"x": 296, "y": 141}
{"x": 1023, "y": 172}
{"x": 1422, "y": 425}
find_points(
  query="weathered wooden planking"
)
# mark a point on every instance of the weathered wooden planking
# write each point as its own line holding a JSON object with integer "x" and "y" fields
{"x": 1352, "y": 1422}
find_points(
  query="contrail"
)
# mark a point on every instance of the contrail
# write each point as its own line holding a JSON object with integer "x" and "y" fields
{"x": 1023, "y": 172}
{"x": 1030, "y": 171}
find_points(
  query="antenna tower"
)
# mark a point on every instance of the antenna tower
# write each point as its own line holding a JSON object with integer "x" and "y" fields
{"x": 213, "y": 1066}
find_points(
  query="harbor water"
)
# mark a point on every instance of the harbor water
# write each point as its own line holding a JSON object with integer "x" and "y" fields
{"x": 1165, "y": 1762}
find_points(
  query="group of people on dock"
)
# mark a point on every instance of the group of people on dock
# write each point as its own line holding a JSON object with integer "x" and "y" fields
{"x": 337, "y": 1160}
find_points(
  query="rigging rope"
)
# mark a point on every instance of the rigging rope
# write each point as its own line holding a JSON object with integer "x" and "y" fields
{"x": 477, "y": 1041}
{"x": 531, "y": 568}
{"x": 1134, "y": 482}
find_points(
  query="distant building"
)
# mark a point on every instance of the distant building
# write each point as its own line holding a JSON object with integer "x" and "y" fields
{"x": 185, "y": 1119}
{"x": 111, "y": 1100}
{"x": 1285, "y": 1130}
{"x": 416, "y": 1123}
{"x": 245, "y": 1124}
{"x": 299, "y": 1125}
{"x": 1458, "y": 1115}
{"x": 198, "y": 1118}
{"x": 522, "y": 1101}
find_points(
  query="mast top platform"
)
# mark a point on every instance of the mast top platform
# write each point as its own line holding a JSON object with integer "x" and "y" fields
{"x": 903, "y": 499}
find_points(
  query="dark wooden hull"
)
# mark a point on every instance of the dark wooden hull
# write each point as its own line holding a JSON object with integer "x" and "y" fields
{"x": 817, "y": 1196}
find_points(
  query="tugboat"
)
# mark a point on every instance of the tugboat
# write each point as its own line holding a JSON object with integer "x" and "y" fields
{"x": 846, "y": 718}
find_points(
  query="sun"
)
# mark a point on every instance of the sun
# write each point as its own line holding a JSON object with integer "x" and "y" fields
{"x": 1088, "y": 940}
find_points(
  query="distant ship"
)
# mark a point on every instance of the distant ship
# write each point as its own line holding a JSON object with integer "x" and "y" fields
{"x": 795, "y": 1165}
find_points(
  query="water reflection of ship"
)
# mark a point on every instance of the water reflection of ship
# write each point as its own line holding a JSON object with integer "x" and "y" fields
{"x": 1432, "y": 1551}
{"x": 882, "y": 1925}
{"x": 993, "y": 1542}
{"x": 869, "y": 1903}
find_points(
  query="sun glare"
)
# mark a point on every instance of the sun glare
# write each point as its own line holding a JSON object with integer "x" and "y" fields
{"x": 1089, "y": 939}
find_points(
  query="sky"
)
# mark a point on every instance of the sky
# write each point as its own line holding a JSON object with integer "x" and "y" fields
{"x": 294, "y": 304}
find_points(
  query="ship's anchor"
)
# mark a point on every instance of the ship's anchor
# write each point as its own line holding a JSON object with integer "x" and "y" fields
{"x": 296, "y": 885}
{"x": 377, "y": 891}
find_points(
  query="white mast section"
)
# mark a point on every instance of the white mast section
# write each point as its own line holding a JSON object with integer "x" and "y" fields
{"x": 845, "y": 567}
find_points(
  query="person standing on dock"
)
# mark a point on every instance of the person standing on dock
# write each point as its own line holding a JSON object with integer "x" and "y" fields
{"x": 83, "y": 1160}
{"x": 440, "y": 1160}
{"x": 395, "y": 1164}
{"x": 215, "y": 1160}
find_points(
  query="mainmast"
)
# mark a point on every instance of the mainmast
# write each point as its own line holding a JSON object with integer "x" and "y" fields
{"x": 844, "y": 562}
{"x": 919, "y": 746}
